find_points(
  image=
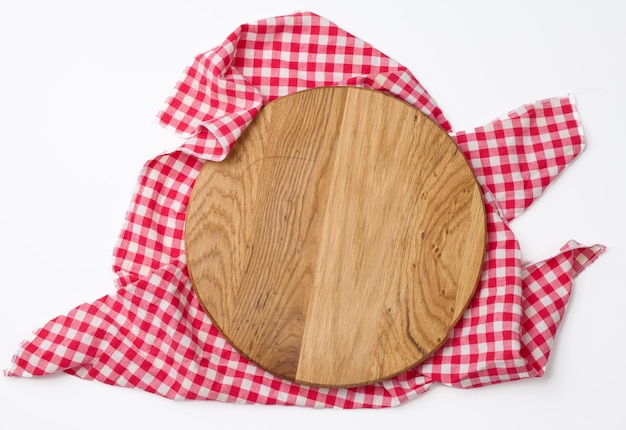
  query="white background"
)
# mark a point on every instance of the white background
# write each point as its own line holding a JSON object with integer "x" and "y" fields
{"x": 81, "y": 82}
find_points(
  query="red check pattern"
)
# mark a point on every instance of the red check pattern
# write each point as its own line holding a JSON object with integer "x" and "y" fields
{"x": 224, "y": 88}
{"x": 152, "y": 334}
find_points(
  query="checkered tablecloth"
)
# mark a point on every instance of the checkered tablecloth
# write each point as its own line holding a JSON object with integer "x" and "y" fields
{"x": 152, "y": 334}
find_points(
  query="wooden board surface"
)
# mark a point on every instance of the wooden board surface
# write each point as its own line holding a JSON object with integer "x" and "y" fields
{"x": 340, "y": 240}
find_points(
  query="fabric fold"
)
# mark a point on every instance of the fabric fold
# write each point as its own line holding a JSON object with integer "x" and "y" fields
{"x": 516, "y": 156}
{"x": 224, "y": 88}
{"x": 544, "y": 303}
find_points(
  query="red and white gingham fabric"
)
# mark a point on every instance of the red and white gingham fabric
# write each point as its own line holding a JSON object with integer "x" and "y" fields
{"x": 152, "y": 334}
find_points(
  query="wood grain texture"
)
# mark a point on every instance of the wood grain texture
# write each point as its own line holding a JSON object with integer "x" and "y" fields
{"x": 340, "y": 240}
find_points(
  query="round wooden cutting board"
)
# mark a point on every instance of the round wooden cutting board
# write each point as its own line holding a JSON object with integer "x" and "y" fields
{"x": 340, "y": 240}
